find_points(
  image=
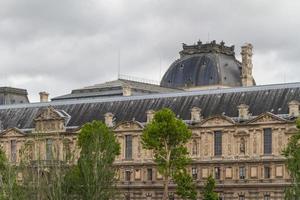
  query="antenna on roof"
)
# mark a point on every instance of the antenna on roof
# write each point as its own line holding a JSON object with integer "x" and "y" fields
{"x": 159, "y": 66}
{"x": 119, "y": 62}
{"x": 208, "y": 37}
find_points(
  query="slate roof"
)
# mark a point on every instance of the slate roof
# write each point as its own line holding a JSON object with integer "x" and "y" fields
{"x": 267, "y": 98}
{"x": 10, "y": 95}
{"x": 209, "y": 64}
{"x": 114, "y": 88}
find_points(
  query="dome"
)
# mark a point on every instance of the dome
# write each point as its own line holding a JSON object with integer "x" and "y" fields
{"x": 204, "y": 65}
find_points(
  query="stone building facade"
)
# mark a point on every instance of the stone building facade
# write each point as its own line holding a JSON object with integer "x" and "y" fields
{"x": 238, "y": 129}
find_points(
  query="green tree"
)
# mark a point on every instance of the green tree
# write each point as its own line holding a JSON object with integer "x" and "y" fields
{"x": 186, "y": 188}
{"x": 292, "y": 154}
{"x": 208, "y": 191}
{"x": 94, "y": 176}
{"x": 167, "y": 136}
{"x": 9, "y": 188}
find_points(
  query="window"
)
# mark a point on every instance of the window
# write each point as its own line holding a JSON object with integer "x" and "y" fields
{"x": 267, "y": 172}
{"x": 217, "y": 172}
{"x": 30, "y": 147}
{"x": 49, "y": 149}
{"x": 194, "y": 173}
{"x": 267, "y": 197}
{"x": 218, "y": 143}
{"x": 127, "y": 175}
{"x": 67, "y": 150}
{"x": 195, "y": 147}
{"x": 128, "y": 147}
{"x": 267, "y": 141}
{"x": 127, "y": 196}
{"x": 13, "y": 150}
{"x": 149, "y": 174}
{"x": 242, "y": 172}
{"x": 241, "y": 197}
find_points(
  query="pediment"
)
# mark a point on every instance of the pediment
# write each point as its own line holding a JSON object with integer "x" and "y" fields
{"x": 266, "y": 118}
{"x": 219, "y": 120}
{"x": 12, "y": 132}
{"x": 128, "y": 126}
{"x": 48, "y": 113}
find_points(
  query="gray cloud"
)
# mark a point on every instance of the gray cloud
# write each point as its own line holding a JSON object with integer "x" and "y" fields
{"x": 61, "y": 45}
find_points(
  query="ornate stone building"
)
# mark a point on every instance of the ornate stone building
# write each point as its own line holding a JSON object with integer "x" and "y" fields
{"x": 239, "y": 129}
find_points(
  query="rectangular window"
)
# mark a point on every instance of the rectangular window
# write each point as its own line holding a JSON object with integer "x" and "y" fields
{"x": 127, "y": 175}
{"x": 267, "y": 141}
{"x": 241, "y": 197}
{"x": 49, "y": 149}
{"x": 13, "y": 150}
{"x": 128, "y": 147}
{"x": 242, "y": 172}
{"x": 267, "y": 172}
{"x": 217, "y": 173}
{"x": 218, "y": 143}
{"x": 194, "y": 173}
{"x": 149, "y": 174}
{"x": 267, "y": 197}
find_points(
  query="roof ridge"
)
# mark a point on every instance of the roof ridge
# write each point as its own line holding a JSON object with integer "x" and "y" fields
{"x": 159, "y": 95}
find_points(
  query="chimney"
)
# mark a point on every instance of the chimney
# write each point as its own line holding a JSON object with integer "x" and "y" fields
{"x": 243, "y": 111}
{"x": 127, "y": 90}
{"x": 247, "y": 78}
{"x": 196, "y": 114}
{"x": 44, "y": 96}
{"x": 109, "y": 119}
{"x": 294, "y": 108}
{"x": 150, "y": 115}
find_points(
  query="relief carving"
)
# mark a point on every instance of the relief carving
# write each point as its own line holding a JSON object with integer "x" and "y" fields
{"x": 206, "y": 146}
{"x": 254, "y": 144}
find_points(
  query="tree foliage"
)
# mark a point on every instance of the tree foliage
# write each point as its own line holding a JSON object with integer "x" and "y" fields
{"x": 9, "y": 188}
{"x": 167, "y": 136}
{"x": 208, "y": 191}
{"x": 292, "y": 154}
{"x": 186, "y": 188}
{"x": 94, "y": 176}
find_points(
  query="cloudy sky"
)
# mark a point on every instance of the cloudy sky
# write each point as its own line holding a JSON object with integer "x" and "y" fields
{"x": 60, "y": 45}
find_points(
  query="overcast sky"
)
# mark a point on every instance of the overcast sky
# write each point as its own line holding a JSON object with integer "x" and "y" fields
{"x": 60, "y": 45}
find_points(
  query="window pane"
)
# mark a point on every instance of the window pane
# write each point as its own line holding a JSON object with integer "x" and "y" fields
{"x": 128, "y": 147}
{"x": 217, "y": 172}
{"x": 218, "y": 143}
{"x": 149, "y": 172}
{"x": 194, "y": 173}
{"x": 195, "y": 147}
{"x": 13, "y": 150}
{"x": 242, "y": 172}
{"x": 48, "y": 149}
{"x": 267, "y": 197}
{"x": 267, "y": 172}
{"x": 127, "y": 175}
{"x": 267, "y": 141}
{"x": 241, "y": 197}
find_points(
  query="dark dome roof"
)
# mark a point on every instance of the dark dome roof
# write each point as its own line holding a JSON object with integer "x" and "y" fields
{"x": 204, "y": 65}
